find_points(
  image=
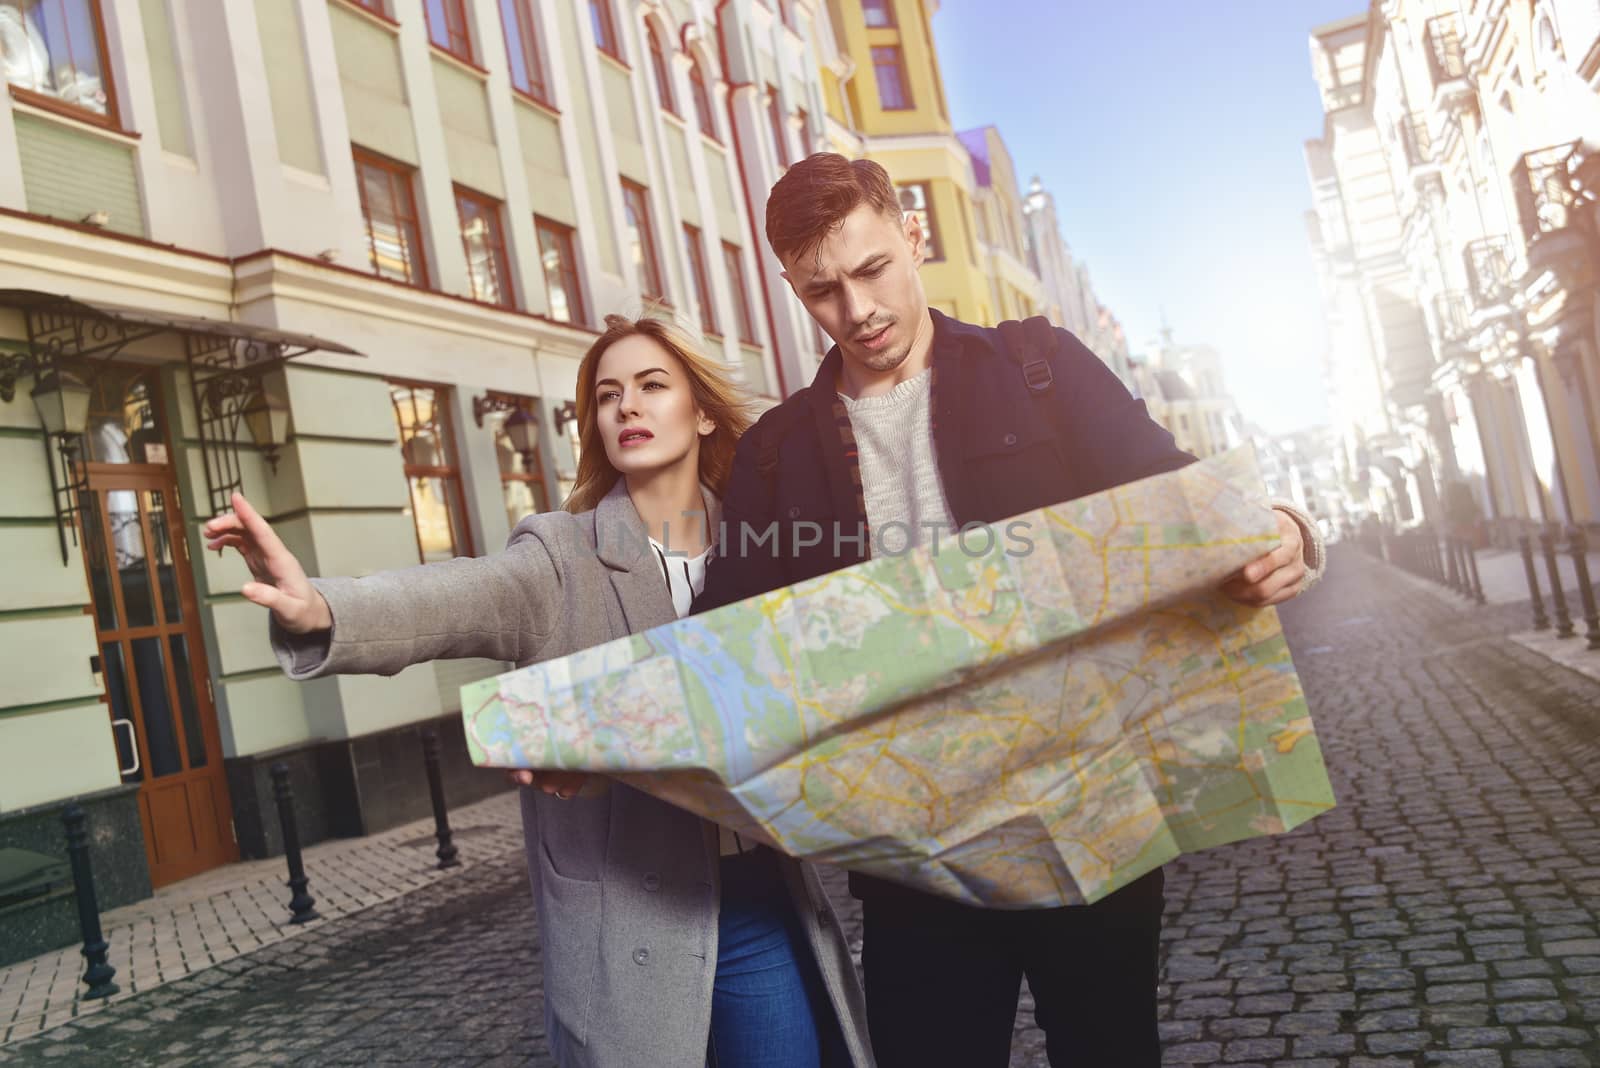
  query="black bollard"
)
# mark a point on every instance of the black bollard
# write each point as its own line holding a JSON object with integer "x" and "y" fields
{"x": 441, "y": 819}
{"x": 1474, "y": 582}
{"x": 300, "y": 904}
{"x": 1558, "y": 600}
{"x": 1579, "y": 544}
{"x": 1540, "y": 620}
{"x": 99, "y": 973}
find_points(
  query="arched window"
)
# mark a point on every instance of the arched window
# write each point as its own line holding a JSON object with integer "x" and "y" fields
{"x": 658, "y": 64}
{"x": 702, "y": 101}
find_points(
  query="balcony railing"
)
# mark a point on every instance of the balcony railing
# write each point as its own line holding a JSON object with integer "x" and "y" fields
{"x": 1418, "y": 144}
{"x": 1488, "y": 263}
{"x": 1446, "y": 63}
{"x": 1547, "y": 193}
{"x": 1452, "y": 315}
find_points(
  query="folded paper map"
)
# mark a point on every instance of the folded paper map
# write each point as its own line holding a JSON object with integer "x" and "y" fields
{"x": 1026, "y": 719}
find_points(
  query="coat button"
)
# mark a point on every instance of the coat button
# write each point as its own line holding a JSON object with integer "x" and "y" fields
{"x": 822, "y": 917}
{"x": 1010, "y": 440}
{"x": 641, "y": 955}
{"x": 652, "y": 882}
{"x": 794, "y": 513}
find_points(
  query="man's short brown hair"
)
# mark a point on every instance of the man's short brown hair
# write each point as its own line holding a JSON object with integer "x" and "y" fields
{"x": 813, "y": 198}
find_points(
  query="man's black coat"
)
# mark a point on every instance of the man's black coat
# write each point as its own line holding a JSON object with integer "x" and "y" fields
{"x": 1000, "y": 450}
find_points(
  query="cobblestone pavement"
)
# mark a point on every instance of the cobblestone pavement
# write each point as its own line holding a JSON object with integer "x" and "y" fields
{"x": 1444, "y": 914}
{"x": 236, "y": 909}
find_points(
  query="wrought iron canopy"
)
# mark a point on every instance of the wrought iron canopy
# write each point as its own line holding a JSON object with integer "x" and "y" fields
{"x": 227, "y": 364}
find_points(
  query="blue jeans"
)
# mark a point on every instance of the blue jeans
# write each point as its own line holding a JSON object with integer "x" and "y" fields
{"x": 767, "y": 1000}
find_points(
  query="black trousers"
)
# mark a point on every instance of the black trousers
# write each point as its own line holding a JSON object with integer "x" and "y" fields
{"x": 943, "y": 978}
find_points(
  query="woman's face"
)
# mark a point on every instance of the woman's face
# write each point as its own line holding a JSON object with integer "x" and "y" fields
{"x": 644, "y": 408}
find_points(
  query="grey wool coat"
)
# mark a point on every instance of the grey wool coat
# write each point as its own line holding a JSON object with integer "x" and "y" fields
{"x": 626, "y": 886}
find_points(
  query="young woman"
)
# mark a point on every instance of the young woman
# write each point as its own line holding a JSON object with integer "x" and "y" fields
{"x": 666, "y": 941}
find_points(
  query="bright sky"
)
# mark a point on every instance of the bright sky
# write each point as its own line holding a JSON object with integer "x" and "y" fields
{"x": 1171, "y": 134}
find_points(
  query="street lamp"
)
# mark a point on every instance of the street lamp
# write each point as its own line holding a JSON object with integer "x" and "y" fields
{"x": 62, "y": 401}
{"x": 267, "y": 416}
{"x": 522, "y": 428}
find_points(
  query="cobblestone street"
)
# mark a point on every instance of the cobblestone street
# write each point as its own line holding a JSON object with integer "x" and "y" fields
{"x": 1443, "y": 914}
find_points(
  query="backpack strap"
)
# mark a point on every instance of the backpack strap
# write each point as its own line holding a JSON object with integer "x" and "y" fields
{"x": 1029, "y": 344}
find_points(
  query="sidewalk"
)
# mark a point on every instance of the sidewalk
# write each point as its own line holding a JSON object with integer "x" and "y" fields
{"x": 1505, "y": 582}
{"x": 1505, "y": 578}
{"x": 233, "y": 910}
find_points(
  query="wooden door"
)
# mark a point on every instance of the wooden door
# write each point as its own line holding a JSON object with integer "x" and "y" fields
{"x": 152, "y": 660}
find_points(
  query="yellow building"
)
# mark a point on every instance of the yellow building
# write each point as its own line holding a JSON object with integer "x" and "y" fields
{"x": 976, "y": 270}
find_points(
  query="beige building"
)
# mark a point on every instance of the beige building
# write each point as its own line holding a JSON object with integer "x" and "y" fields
{"x": 1461, "y": 191}
{"x": 1184, "y": 388}
{"x": 343, "y": 255}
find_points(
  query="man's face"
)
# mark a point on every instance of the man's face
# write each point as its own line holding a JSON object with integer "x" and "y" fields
{"x": 861, "y": 286}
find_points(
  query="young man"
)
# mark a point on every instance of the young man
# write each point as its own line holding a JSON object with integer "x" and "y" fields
{"x": 919, "y": 423}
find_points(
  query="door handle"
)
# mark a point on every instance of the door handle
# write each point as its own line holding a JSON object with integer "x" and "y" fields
{"x": 133, "y": 745}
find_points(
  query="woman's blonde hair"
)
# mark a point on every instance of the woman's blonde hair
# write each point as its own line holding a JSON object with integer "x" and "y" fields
{"x": 717, "y": 396}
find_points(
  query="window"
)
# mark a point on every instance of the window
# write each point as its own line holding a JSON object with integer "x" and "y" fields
{"x": 702, "y": 101}
{"x": 702, "y": 283}
{"x": 802, "y": 121}
{"x": 893, "y": 92}
{"x": 521, "y": 472}
{"x": 438, "y": 508}
{"x": 560, "y": 271}
{"x": 55, "y": 50}
{"x": 522, "y": 49}
{"x": 636, "y": 206}
{"x": 916, "y": 202}
{"x": 605, "y": 30}
{"x": 879, "y": 14}
{"x": 394, "y": 238}
{"x": 447, "y": 27}
{"x": 484, "y": 242}
{"x": 663, "y": 73}
{"x": 775, "y": 117}
{"x": 733, "y": 260}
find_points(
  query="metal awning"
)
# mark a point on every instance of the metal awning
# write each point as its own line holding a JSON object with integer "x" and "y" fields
{"x": 115, "y": 326}
{"x": 228, "y": 365}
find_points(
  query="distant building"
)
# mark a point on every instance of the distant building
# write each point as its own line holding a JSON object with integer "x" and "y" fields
{"x": 1068, "y": 295}
{"x": 1184, "y": 389}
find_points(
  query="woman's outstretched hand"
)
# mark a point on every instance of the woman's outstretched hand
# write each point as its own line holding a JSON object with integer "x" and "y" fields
{"x": 280, "y": 582}
{"x": 562, "y": 785}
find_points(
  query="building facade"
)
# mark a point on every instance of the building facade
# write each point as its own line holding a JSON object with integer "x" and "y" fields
{"x": 1015, "y": 289}
{"x": 344, "y": 255}
{"x": 1455, "y": 231}
{"x": 1184, "y": 388}
{"x": 1066, "y": 290}
{"x": 895, "y": 95}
